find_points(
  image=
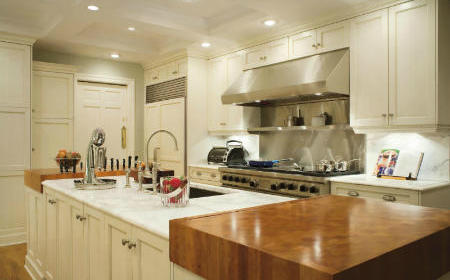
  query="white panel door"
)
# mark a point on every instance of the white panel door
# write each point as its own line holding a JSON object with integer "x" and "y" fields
{"x": 254, "y": 57}
{"x": 49, "y": 136}
{"x": 150, "y": 256}
{"x": 105, "y": 106}
{"x": 52, "y": 95}
{"x": 217, "y": 84}
{"x": 15, "y": 71}
{"x": 173, "y": 120}
{"x": 369, "y": 87}
{"x": 302, "y": 44}
{"x": 118, "y": 258}
{"x": 35, "y": 227}
{"x": 94, "y": 242}
{"x": 277, "y": 51}
{"x": 412, "y": 71}
{"x": 333, "y": 37}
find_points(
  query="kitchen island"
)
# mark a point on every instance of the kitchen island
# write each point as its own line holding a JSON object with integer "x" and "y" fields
{"x": 118, "y": 233}
{"x": 329, "y": 237}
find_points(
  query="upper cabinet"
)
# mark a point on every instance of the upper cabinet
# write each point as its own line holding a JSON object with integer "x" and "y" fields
{"x": 265, "y": 54}
{"x": 223, "y": 119}
{"x": 170, "y": 71}
{"x": 328, "y": 38}
{"x": 393, "y": 69}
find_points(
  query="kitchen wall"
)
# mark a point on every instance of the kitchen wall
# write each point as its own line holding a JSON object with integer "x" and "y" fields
{"x": 436, "y": 149}
{"x": 106, "y": 67}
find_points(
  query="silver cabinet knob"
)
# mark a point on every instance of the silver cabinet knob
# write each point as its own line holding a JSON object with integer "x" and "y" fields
{"x": 314, "y": 46}
{"x": 384, "y": 115}
{"x": 391, "y": 114}
{"x": 80, "y": 218}
{"x": 131, "y": 245}
{"x": 125, "y": 242}
{"x": 353, "y": 193}
{"x": 318, "y": 44}
{"x": 52, "y": 201}
{"x": 174, "y": 72}
{"x": 199, "y": 173}
{"x": 388, "y": 197}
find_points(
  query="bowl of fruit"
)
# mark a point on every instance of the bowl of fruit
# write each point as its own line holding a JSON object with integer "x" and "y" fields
{"x": 174, "y": 191}
{"x": 67, "y": 160}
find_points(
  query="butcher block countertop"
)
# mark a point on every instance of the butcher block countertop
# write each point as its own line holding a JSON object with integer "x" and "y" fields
{"x": 328, "y": 237}
{"x": 33, "y": 178}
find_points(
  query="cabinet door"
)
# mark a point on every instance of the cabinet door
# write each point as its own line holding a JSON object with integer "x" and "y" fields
{"x": 70, "y": 239}
{"x": 118, "y": 261}
{"x": 277, "y": 51}
{"x": 154, "y": 76}
{"x": 52, "y": 95}
{"x": 172, "y": 70}
{"x": 94, "y": 242}
{"x": 32, "y": 223}
{"x": 369, "y": 70}
{"x": 150, "y": 256}
{"x": 182, "y": 68}
{"x": 303, "y": 44}
{"x": 152, "y": 123}
{"x": 235, "y": 113}
{"x": 51, "y": 219}
{"x": 412, "y": 91}
{"x": 217, "y": 83}
{"x": 255, "y": 57}
{"x": 333, "y": 37}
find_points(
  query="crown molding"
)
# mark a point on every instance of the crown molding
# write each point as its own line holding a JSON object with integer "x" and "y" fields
{"x": 54, "y": 67}
{"x": 17, "y": 39}
{"x": 171, "y": 57}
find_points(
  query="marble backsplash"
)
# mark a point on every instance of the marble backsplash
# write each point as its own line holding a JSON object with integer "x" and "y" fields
{"x": 436, "y": 149}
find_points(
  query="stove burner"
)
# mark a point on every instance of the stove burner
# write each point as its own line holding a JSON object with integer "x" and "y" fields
{"x": 292, "y": 170}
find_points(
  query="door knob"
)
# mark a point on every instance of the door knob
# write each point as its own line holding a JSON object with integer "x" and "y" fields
{"x": 131, "y": 245}
{"x": 125, "y": 242}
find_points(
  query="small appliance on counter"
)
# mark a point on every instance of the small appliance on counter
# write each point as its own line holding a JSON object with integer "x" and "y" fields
{"x": 233, "y": 153}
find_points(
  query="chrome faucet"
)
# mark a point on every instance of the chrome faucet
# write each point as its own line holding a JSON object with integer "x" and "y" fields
{"x": 155, "y": 163}
{"x": 97, "y": 139}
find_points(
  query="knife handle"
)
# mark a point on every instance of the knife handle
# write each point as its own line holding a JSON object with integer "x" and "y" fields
{"x": 117, "y": 164}
{"x": 112, "y": 164}
{"x": 129, "y": 162}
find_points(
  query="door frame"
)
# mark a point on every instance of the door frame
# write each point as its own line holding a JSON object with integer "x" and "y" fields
{"x": 104, "y": 79}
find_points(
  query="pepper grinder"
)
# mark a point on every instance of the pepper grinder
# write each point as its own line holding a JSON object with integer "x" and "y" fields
{"x": 127, "y": 174}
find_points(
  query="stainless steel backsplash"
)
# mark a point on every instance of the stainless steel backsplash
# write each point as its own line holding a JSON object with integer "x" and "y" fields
{"x": 309, "y": 147}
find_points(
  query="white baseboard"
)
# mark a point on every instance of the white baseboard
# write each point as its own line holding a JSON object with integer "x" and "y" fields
{"x": 13, "y": 236}
{"x": 32, "y": 269}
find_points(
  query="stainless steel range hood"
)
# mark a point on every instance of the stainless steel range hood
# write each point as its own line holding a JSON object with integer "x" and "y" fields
{"x": 323, "y": 76}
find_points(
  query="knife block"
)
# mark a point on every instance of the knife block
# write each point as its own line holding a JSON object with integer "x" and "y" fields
{"x": 161, "y": 173}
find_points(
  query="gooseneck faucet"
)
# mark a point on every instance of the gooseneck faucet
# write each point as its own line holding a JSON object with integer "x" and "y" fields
{"x": 155, "y": 156}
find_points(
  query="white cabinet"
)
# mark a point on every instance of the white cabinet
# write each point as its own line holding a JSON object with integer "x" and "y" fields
{"x": 94, "y": 251}
{"x": 166, "y": 72}
{"x": 394, "y": 68}
{"x": 51, "y": 231}
{"x": 168, "y": 115}
{"x": 225, "y": 119}
{"x": 369, "y": 73}
{"x": 133, "y": 253}
{"x": 210, "y": 176}
{"x": 269, "y": 53}
{"x": 328, "y": 38}
{"x": 412, "y": 64}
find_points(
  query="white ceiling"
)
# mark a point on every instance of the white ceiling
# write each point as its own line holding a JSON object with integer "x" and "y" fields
{"x": 162, "y": 26}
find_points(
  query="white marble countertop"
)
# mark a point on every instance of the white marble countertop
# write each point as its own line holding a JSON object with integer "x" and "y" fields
{"x": 145, "y": 210}
{"x": 365, "y": 179}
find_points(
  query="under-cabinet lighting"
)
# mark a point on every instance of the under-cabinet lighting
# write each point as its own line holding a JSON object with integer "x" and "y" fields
{"x": 93, "y": 8}
{"x": 131, "y": 28}
{"x": 115, "y": 55}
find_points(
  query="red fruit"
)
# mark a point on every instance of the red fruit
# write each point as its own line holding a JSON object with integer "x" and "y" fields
{"x": 165, "y": 182}
{"x": 175, "y": 182}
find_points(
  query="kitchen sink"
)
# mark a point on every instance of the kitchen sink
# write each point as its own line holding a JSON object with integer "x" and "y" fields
{"x": 197, "y": 193}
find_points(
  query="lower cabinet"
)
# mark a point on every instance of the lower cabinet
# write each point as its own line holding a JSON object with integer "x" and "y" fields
{"x": 200, "y": 175}
{"x": 70, "y": 240}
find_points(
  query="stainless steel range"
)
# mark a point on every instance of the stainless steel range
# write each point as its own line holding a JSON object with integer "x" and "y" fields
{"x": 278, "y": 180}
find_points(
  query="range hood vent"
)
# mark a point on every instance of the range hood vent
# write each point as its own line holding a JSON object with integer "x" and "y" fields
{"x": 318, "y": 77}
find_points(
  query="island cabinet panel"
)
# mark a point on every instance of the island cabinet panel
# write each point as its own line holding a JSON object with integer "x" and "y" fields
{"x": 94, "y": 245}
{"x": 118, "y": 237}
{"x": 51, "y": 229}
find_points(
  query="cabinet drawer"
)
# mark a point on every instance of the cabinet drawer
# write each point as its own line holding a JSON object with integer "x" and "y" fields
{"x": 380, "y": 193}
{"x": 204, "y": 174}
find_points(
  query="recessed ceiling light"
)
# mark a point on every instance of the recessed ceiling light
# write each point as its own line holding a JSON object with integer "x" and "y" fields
{"x": 93, "y": 8}
{"x": 206, "y": 44}
{"x": 131, "y": 28}
{"x": 115, "y": 55}
{"x": 270, "y": 22}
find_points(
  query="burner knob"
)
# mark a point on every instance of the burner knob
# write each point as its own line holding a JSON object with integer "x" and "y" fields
{"x": 253, "y": 184}
{"x": 282, "y": 185}
{"x": 244, "y": 180}
{"x": 274, "y": 187}
{"x": 230, "y": 178}
{"x": 314, "y": 190}
{"x": 292, "y": 187}
{"x": 237, "y": 179}
{"x": 303, "y": 188}
{"x": 224, "y": 177}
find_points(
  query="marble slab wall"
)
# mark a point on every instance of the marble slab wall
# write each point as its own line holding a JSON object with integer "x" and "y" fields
{"x": 436, "y": 149}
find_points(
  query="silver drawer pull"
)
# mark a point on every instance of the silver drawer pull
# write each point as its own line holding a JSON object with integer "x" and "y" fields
{"x": 131, "y": 245}
{"x": 125, "y": 242}
{"x": 80, "y": 218}
{"x": 389, "y": 198}
{"x": 199, "y": 173}
{"x": 213, "y": 175}
{"x": 174, "y": 72}
{"x": 353, "y": 193}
